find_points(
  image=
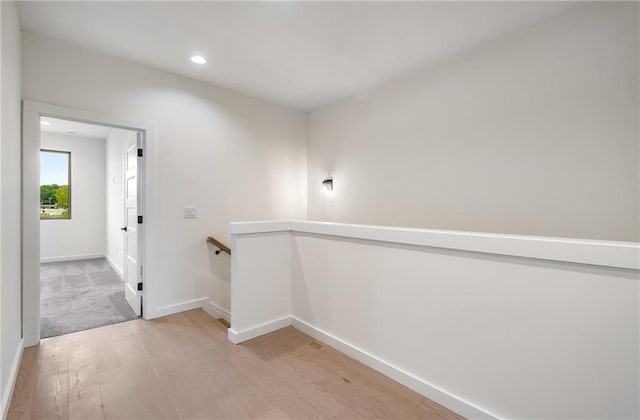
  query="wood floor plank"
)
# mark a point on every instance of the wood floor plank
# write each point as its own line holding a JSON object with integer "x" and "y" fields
{"x": 369, "y": 402}
{"x": 52, "y": 356}
{"x": 154, "y": 346}
{"x": 134, "y": 393}
{"x": 51, "y": 398}
{"x": 288, "y": 396}
{"x": 26, "y": 383}
{"x": 353, "y": 371}
{"x": 83, "y": 382}
{"x": 436, "y": 411}
{"x": 239, "y": 401}
{"x": 183, "y": 366}
{"x": 88, "y": 407}
{"x": 188, "y": 383}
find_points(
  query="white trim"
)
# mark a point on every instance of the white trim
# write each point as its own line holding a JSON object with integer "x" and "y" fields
{"x": 31, "y": 113}
{"x": 30, "y": 226}
{"x": 180, "y": 307}
{"x": 71, "y": 258}
{"x": 621, "y": 255}
{"x": 13, "y": 376}
{"x": 115, "y": 267}
{"x": 582, "y": 251}
{"x": 80, "y": 115}
{"x": 238, "y": 337}
{"x": 421, "y": 386}
{"x": 216, "y": 311}
{"x": 243, "y": 228}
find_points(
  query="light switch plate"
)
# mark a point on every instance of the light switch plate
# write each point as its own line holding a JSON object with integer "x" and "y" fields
{"x": 189, "y": 212}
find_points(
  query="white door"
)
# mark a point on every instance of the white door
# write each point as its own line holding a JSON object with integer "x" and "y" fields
{"x": 132, "y": 266}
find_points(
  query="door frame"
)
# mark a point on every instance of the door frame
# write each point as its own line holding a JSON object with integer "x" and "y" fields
{"x": 31, "y": 113}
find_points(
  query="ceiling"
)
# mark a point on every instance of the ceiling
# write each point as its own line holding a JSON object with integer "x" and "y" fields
{"x": 299, "y": 54}
{"x": 77, "y": 128}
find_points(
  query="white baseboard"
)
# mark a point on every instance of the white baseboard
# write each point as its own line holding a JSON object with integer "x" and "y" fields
{"x": 115, "y": 267}
{"x": 421, "y": 386}
{"x": 13, "y": 375}
{"x": 179, "y": 307}
{"x": 407, "y": 379}
{"x": 71, "y": 258}
{"x": 237, "y": 337}
{"x": 216, "y": 311}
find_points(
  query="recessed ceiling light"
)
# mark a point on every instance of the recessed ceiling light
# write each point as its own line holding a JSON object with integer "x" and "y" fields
{"x": 198, "y": 59}
{"x": 45, "y": 123}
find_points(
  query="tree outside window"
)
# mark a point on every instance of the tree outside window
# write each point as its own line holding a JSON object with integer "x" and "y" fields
{"x": 55, "y": 180}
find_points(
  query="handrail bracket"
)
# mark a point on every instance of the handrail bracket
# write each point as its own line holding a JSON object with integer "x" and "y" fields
{"x": 221, "y": 247}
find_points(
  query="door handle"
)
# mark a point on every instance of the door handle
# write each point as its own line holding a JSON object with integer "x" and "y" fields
{"x": 124, "y": 228}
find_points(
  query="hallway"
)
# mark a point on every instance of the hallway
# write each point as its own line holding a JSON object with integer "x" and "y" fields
{"x": 183, "y": 366}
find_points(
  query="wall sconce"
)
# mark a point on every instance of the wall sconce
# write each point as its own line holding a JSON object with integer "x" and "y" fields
{"x": 328, "y": 184}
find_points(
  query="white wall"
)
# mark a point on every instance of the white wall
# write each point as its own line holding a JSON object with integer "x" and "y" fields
{"x": 116, "y": 145}
{"x": 82, "y": 236}
{"x": 10, "y": 336}
{"x": 270, "y": 300}
{"x": 536, "y": 133}
{"x": 229, "y": 155}
{"x": 526, "y": 327}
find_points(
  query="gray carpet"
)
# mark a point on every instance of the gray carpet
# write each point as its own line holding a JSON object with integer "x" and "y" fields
{"x": 78, "y": 295}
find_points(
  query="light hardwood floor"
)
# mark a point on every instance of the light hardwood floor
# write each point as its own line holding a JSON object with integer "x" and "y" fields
{"x": 183, "y": 366}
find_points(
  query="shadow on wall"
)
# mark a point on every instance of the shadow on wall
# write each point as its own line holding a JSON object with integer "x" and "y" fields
{"x": 220, "y": 271}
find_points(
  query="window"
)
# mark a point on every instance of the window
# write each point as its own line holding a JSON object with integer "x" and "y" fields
{"x": 55, "y": 184}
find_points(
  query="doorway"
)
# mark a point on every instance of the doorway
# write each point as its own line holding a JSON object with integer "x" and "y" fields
{"x": 86, "y": 245}
{"x": 83, "y": 254}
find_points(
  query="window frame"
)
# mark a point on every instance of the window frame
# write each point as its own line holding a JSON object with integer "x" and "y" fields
{"x": 68, "y": 153}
